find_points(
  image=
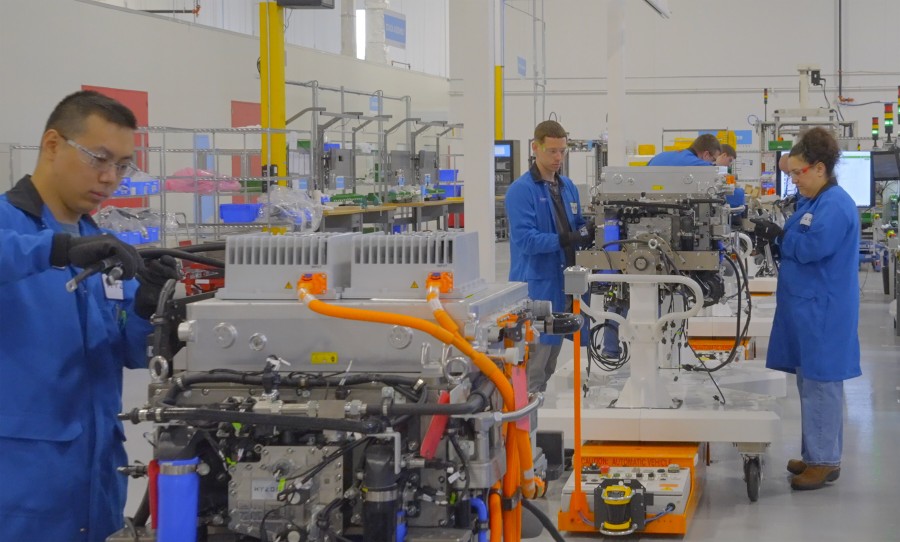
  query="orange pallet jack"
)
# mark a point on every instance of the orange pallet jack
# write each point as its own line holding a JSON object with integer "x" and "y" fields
{"x": 615, "y": 484}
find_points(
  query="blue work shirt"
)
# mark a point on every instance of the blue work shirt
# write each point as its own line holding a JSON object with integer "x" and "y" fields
{"x": 815, "y": 326}
{"x": 62, "y": 360}
{"x": 536, "y": 255}
{"x": 677, "y": 158}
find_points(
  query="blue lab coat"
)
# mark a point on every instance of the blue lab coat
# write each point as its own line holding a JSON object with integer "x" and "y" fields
{"x": 677, "y": 158}
{"x": 62, "y": 359}
{"x": 815, "y": 326}
{"x": 536, "y": 256}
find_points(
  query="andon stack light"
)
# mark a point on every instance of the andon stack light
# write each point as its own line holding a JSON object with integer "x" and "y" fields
{"x": 888, "y": 121}
{"x": 875, "y": 131}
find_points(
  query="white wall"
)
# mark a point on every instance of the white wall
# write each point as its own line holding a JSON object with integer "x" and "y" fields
{"x": 192, "y": 72}
{"x": 704, "y": 67}
{"x": 320, "y": 29}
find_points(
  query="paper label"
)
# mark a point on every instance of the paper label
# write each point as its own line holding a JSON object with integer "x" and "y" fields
{"x": 115, "y": 290}
{"x": 263, "y": 489}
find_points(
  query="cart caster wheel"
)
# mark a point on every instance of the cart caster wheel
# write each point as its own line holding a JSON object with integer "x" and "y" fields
{"x": 753, "y": 476}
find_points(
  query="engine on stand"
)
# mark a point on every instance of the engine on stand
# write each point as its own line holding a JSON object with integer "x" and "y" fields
{"x": 641, "y": 430}
{"x": 659, "y": 221}
{"x": 345, "y": 387}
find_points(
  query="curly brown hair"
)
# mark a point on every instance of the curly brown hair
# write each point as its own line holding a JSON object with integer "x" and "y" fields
{"x": 819, "y": 145}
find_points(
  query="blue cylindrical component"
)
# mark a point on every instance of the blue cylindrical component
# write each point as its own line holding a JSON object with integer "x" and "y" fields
{"x": 401, "y": 526}
{"x": 179, "y": 492}
{"x": 737, "y": 199}
{"x": 482, "y": 510}
{"x": 611, "y": 233}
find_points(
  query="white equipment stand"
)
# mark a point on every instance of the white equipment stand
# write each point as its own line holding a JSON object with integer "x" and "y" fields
{"x": 655, "y": 404}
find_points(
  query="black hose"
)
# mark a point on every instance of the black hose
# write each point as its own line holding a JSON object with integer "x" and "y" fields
{"x": 545, "y": 521}
{"x": 366, "y": 378}
{"x": 158, "y": 337}
{"x": 477, "y": 401}
{"x": 168, "y": 414}
{"x": 637, "y": 203}
{"x": 207, "y": 247}
{"x": 165, "y": 293}
{"x": 565, "y": 323}
{"x": 151, "y": 253}
{"x": 143, "y": 511}
{"x": 695, "y": 201}
{"x": 185, "y": 382}
{"x": 741, "y": 334}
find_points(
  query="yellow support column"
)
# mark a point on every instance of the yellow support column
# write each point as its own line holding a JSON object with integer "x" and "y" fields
{"x": 498, "y": 102}
{"x": 271, "y": 86}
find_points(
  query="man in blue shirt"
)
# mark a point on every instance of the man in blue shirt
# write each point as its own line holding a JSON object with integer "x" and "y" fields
{"x": 63, "y": 353}
{"x": 545, "y": 230}
{"x": 703, "y": 152}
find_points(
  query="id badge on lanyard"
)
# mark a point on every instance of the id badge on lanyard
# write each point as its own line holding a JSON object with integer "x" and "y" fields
{"x": 114, "y": 291}
{"x": 806, "y": 222}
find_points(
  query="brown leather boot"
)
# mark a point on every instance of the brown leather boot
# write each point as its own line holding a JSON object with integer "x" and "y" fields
{"x": 815, "y": 476}
{"x": 796, "y": 466}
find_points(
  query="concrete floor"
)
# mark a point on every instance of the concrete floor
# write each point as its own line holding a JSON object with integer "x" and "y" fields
{"x": 862, "y": 505}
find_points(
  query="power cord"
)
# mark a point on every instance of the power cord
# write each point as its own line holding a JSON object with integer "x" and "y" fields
{"x": 595, "y": 351}
{"x": 669, "y": 509}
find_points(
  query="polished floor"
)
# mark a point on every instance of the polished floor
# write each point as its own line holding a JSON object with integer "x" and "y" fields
{"x": 863, "y": 505}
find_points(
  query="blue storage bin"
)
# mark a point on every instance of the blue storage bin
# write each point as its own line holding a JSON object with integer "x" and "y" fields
{"x": 145, "y": 188}
{"x": 152, "y": 235}
{"x": 124, "y": 188}
{"x": 130, "y": 237}
{"x": 451, "y": 190}
{"x": 239, "y": 212}
{"x": 329, "y": 146}
{"x": 448, "y": 175}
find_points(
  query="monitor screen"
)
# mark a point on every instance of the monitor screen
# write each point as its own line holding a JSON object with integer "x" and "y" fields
{"x": 502, "y": 150}
{"x": 853, "y": 172}
{"x": 886, "y": 165}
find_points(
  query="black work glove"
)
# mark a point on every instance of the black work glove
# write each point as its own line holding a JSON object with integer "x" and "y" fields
{"x": 86, "y": 251}
{"x": 766, "y": 229}
{"x": 152, "y": 278}
{"x": 583, "y": 237}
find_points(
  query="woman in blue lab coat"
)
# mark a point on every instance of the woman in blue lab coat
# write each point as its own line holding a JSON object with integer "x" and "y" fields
{"x": 814, "y": 333}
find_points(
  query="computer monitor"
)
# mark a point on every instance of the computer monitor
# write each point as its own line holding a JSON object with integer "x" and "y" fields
{"x": 886, "y": 165}
{"x": 853, "y": 172}
{"x": 502, "y": 150}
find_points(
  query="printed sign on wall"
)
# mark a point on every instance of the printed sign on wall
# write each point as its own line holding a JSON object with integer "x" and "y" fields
{"x": 395, "y": 29}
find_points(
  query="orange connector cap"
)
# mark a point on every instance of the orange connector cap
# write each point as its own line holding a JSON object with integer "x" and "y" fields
{"x": 442, "y": 280}
{"x": 314, "y": 283}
